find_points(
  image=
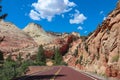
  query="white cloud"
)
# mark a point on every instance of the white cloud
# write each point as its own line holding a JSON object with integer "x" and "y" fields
{"x": 85, "y": 31}
{"x": 104, "y": 18}
{"x": 78, "y": 18}
{"x": 34, "y": 15}
{"x": 101, "y": 12}
{"x": 47, "y": 9}
{"x": 80, "y": 28}
{"x": 63, "y": 15}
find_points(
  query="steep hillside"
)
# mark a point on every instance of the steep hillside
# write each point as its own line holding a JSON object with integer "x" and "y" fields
{"x": 13, "y": 39}
{"x": 100, "y": 53}
{"x": 38, "y": 34}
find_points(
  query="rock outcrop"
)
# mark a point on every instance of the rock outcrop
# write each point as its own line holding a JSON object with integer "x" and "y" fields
{"x": 38, "y": 34}
{"x": 100, "y": 53}
{"x": 12, "y": 39}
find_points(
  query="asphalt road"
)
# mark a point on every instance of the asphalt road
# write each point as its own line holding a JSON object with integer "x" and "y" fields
{"x": 58, "y": 73}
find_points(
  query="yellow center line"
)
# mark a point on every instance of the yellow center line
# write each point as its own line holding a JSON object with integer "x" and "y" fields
{"x": 56, "y": 73}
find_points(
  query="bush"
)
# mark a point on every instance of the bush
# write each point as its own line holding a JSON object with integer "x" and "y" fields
{"x": 84, "y": 38}
{"x": 8, "y": 70}
{"x": 76, "y": 53}
{"x": 79, "y": 61}
{"x": 12, "y": 69}
{"x": 86, "y": 47}
{"x": 115, "y": 58}
{"x": 90, "y": 34}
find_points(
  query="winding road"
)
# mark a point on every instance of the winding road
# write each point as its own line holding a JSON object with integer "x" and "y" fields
{"x": 58, "y": 73}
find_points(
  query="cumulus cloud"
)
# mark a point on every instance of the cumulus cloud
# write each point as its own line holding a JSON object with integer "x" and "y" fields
{"x": 47, "y": 9}
{"x": 34, "y": 15}
{"x": 80, "y": 28}
{"x": 78, "y": 18}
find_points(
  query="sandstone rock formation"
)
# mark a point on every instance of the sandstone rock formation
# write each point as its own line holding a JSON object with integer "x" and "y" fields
{"x": 13, "y": 39}
{"x": 100, "y": 53}
{"x": 38, "y": 34}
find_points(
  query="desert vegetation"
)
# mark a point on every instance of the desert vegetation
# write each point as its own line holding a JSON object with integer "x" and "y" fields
{"x": 10, "y": 68}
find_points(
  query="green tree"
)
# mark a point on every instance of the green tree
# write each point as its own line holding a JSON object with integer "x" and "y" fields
{"x": 1, "y": 56}
{"x": 40, "y": 57}
{"x": 19, "y": 58}
{"x": 9, "y": 58}
{"x": 8, "y": 70}
{"x": 58, "y": 57}
{"x": 2, "y": 16}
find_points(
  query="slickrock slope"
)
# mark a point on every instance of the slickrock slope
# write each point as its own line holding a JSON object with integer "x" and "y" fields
{"x": 13, "y": 39}
{"x": 100, "y": 53}
{"x": 38, "y": 34}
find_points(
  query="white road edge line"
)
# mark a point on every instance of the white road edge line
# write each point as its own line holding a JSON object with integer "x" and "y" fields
{"x": 89, "y": 76}
{"x": 92, "y": 77}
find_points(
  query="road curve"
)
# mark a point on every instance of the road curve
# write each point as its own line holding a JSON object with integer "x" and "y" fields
{"x": 58, "y": 73}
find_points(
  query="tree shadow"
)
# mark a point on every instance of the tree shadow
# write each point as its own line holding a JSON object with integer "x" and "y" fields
{"x": 38, "y": 77}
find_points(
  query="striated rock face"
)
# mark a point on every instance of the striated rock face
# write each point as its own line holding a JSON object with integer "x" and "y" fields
{"x": 13, "y": 39}
{"x": 100, "y": 53}
{"x": 38, "y": 34}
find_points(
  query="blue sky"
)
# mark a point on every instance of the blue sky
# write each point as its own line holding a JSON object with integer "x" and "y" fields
{"x": 81, "y": 16}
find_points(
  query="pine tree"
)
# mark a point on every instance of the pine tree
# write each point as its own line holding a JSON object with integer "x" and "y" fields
{"x": 40, "y": 58}
{"x": 58, "y": 57}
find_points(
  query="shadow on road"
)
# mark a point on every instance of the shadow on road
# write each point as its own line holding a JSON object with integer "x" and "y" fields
{"x": 37, "y": 77}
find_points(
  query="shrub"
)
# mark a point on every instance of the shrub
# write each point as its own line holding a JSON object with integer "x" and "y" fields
{"x": 115, "y": 58}
{"x": 84, "y": 38}
{"x": 90, "y": 33}
{"x": 12, "y": 69}
{"x": 76, "y": 52}
{"x": 9, "y": 70}
{"x": 79, "y": 61}
{"x": 86, "y": 47}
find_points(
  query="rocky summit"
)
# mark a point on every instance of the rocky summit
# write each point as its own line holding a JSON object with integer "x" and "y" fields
{"x": 38, "y": 34}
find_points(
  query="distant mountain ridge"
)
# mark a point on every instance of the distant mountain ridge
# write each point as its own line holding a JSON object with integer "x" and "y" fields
{"x": 13, "y": 38}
